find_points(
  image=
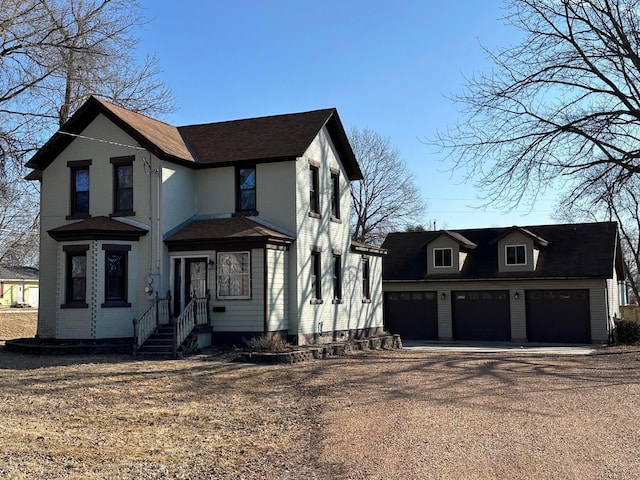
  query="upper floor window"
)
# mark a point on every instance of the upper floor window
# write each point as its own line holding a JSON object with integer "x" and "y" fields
{"x": 442, "y": 257}
{"x": 516, "y": 255}
{"x": 115, "y": 276}
{"x": 76, "y": 275}
{"x": 335, "y": 195}
{"x": 314, "y": 190}
{"x": 234, "y": 275}
{"x": 246, "y": 189}
{"x": 79, "y": 188}
{"x": 122, "y": 185}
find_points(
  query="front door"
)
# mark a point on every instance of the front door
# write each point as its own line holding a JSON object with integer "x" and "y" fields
{"x": 195, "y": 278}
{"x": 189, "y": 279}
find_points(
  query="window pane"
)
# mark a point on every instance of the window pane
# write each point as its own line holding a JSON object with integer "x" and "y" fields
{"x": 247, "y": 200}
{"x": 234, "y": 274}
{"x": 80, "y": 193}
{"x": 442, "y": 257}
{"x": 115, "y": 277}
{"x": 82, "y": 180}
{"x": 125, "y": 176}
{"x": 125, "y": 200}
{"x": 246, "y": 189}
{"x": 77, "y": 278}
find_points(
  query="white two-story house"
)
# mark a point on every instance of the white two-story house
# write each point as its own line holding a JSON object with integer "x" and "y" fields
{"x": 232, "y": 229}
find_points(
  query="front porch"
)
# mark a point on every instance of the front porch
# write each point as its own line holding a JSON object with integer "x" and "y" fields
{"x": 158, "y": 333}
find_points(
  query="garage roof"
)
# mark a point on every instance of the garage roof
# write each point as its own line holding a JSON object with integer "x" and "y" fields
{"x": 584, "y": 250}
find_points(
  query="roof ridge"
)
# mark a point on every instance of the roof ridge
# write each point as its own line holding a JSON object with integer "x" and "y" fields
{"x": 109, "y": 104}
{"x": 262, "y": 117}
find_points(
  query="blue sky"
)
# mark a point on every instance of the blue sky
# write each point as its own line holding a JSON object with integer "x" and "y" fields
{"x": 384, "y": 65}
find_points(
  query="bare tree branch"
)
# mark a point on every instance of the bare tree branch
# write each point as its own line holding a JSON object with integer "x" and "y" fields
{"x": 387, "y": 199}
{"x": 565, "y": 100}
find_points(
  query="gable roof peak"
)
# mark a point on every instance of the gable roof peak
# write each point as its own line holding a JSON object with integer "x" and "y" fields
{"x": 455, "y": 236}
{"x": 507, "y": 231}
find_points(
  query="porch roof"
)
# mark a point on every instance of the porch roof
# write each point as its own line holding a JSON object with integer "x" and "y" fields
{"x": 97, "y": 228}
{"x": 225, "y": 229}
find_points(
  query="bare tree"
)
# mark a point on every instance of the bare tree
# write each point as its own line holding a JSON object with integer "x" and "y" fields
{"x": 563, "y": 101}
{"x": 388, "y": 198}
{"x": 54, "y": 54}
{"x": 612, "y": 202}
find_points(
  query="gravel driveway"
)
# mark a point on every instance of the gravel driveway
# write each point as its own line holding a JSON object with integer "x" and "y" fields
{"x": 381, "y": 415}
{"x": 421, "y": 415}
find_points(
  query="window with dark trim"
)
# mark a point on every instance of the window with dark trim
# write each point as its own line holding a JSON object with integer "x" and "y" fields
{"x": 442, "y": 257}
{"x": 335, "y": 195}
{"x": 79, "y": 188}
{"x": 75, "y": 276}
{"x": 337, "y": 279}
{"x": 366, "y": 282}
{"x": 516, "y": 255}
{"x": 234, "y": 275}
{"x": 314, "y": 190}
{"x": 246, "y": 189}
{"x": 316, "y": 277}
{"x": 115, "y": 275}
{"x": 122, "y": 185}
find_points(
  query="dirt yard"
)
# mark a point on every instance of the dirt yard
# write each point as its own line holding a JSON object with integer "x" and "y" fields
{"x": 383, "y": 415}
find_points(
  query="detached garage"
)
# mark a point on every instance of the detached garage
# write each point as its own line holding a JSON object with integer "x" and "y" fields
{"x": 561, "y": 316}
{"x": 415, "y": 314}
{"x": 481, "y": 315}
{"x": 543, "y": 284}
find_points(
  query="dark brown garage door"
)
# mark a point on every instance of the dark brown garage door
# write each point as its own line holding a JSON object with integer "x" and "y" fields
{"x": 481, "y": 315}
{"x": 413, "y": 315}
{"x": 558, "y": 316}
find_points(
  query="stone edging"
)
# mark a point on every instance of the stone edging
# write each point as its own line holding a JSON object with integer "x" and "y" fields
{"x": 315, "y": 352}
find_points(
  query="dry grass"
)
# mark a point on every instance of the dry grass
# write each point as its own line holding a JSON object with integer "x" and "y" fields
{"x": 15, "y": 323}
{"x": 114, "y": 417}
{"x": 400, "y": 415}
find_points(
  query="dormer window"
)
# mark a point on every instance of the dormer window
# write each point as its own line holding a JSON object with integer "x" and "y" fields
{"x": 516, "y": 255}
{"x": 443, "y": 257}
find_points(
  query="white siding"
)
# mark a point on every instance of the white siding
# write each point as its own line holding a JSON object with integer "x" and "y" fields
{"x": 239, "y": 315}
{"x": 215, "y": 191}
{"x": 55, "y": 206}
{"x": 243, "y": 315}
{"x": 329, "y": 236}
{"x": 76, "y": 322}
{"x": 178, "y": 199}
{"x": 277, "y": 299}
{"x": 276, "y": 193}
{"x": 117, "y": 322}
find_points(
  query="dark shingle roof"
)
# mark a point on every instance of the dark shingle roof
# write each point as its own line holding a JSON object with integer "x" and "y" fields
{"x": 273, "y": 138}
{"x": 95, "y": 228}
{"x": 587, "y": 250}
{"x": 233, "y": 228}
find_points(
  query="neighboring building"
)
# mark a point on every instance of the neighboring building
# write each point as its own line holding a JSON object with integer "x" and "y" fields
{"x": 19, "y": 286}
{"x": 253, "y": 212}
{"x": 548, "y": 283}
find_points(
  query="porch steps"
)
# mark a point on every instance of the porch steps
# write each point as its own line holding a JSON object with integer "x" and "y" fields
{"x": 159, "y": 344}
